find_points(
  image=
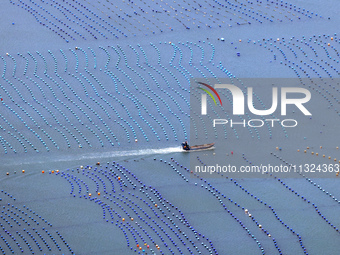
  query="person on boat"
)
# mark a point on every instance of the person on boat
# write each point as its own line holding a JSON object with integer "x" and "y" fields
{"x": 185, "y": 146}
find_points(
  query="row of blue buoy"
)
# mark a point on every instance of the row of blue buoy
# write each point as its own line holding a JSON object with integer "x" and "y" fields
{"x": 126, "y": 202}
{"x": 110, "y": 134}
{"x": 25, "y": 221}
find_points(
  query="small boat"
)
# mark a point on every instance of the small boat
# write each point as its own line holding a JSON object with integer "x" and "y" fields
{"x": 187, "y": 147}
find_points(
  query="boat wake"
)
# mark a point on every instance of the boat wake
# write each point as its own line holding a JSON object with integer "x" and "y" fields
{"x": 96, "y": 155}
{"x": 129, "y": 153}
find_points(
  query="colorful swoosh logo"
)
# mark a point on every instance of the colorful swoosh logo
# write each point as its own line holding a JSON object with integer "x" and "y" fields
{"x": 209, "y": 93}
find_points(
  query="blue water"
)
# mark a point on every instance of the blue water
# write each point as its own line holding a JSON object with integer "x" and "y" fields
{"x": 96, "y": 101}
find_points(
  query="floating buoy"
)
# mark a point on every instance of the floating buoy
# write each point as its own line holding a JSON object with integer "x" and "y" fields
{"x": 329, "y": 44}
{"x": 155, "y": 205}
{"x": 7, "y": 173}
{"x": 305, "y": 151}
{"x": 320, "y": 147}
{"x": 260, "y": 226}
{"x": 81, "y": 167}
{"x": 98, "y": 164}
{"x": 118, "y": 178}
{"x": 316, "y": 154}
{"x": 136, "y": 140}
{"x": 42, "y": 171}
{"x": 246, "y": 211}
{"x": 23, "y": 171}
{"x": 240, "y": 40}
{"x": 337, "y": 174}
{"x": 76, "y": 48}
{"x": 137, "y": 244}
{"x": 131, "y": 219}
{"x": 90, "y": 194}
{"x": 98, "y": 193}
{"x": 298, "y": 150}
{"x": 52, "y": 171}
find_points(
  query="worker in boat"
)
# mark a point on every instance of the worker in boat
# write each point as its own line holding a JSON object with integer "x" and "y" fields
{"x": 186, "y": 146}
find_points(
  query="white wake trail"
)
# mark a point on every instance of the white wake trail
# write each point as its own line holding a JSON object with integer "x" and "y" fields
{"x": 141, "y": 152}
{"x": 94, "y": 155}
